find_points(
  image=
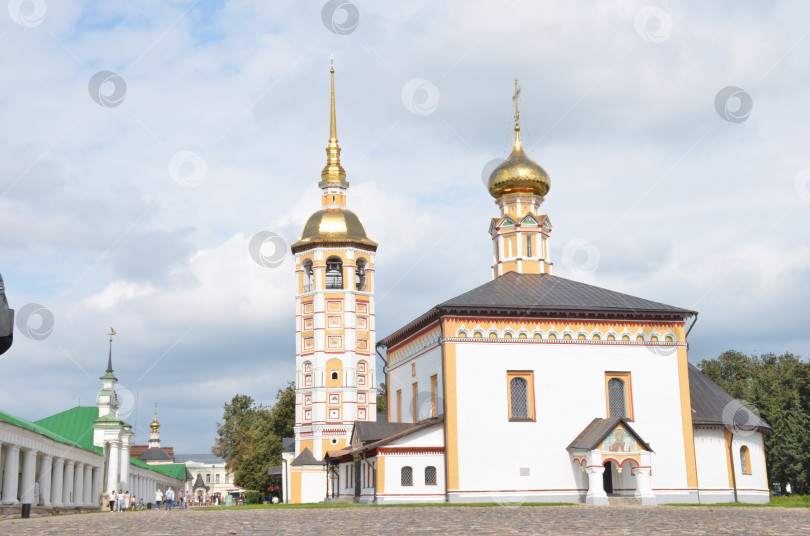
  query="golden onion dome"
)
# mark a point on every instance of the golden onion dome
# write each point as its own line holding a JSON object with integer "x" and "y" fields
{"x": 155, "y": 424}
{"x": 518, "y": 174}
{"x": 334, "y": 225}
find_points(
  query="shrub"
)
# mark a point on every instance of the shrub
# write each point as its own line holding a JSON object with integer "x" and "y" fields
{"x": 253, "y": 497}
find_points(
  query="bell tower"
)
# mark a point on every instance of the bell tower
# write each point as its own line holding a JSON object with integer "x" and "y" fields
{"x": 335, "y": 335}
{"x": 520, "y": 234}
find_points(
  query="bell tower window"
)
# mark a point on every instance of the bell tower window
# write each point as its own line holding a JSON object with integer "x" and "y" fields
{"x": 360, "y": 275}
{"x": 334, "y": 273}
{"x": 308, "y": 275}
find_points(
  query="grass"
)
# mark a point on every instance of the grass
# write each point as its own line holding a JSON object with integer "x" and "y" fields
{"x": 793, "y": 501}
{"x": 401, "y": 505}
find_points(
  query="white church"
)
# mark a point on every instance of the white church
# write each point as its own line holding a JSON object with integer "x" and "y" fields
{"x": 528, "y": 388}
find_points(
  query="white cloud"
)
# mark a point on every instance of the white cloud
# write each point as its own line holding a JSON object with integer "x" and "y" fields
{"x": 683, "y": 207}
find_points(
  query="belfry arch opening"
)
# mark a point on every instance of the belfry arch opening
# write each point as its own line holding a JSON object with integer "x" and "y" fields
{"x": 360, "y": 274}
{"x": 307, "y": 266}
{"x": 334, "y": 273}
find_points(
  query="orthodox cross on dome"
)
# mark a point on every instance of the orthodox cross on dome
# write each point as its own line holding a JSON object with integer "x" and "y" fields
{"x": 515, "y": 98}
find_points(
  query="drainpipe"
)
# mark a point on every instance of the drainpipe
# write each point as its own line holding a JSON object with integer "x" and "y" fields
{"x": 444, "y": 411}
{"x": 688, "y": 331}
{"x": 285, "y": 495}
{"x": 733, "y": 471}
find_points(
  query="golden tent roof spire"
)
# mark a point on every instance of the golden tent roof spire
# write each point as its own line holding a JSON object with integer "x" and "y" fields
{"x": 333, "y": 172}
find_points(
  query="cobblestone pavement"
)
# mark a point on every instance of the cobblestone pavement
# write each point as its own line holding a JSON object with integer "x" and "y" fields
{"x": 428, "y": 521}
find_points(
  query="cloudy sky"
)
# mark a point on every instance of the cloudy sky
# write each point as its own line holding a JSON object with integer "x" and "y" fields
{"x": 142, "y": 145}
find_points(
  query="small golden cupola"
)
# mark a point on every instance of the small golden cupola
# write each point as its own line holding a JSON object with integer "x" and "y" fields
{"x": 154, "y": 437}
{"x": 155, "y": 424}
{"x": 520, "y": 234}
{"x": 518, "y": 174}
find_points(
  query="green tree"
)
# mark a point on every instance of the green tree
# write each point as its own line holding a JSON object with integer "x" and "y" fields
{"x": 779, "y": 387}
{"x": 382, "y": 398}
{"x": 267, "y": 428}
{"x": 233, "y": 434}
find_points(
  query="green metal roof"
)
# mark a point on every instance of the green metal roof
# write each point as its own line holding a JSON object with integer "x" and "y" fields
{"x": 74, "y": 427}
{"x": 174, "y": 470}
{"x": 46, "y": 431}
{"x": 75, "y": 424}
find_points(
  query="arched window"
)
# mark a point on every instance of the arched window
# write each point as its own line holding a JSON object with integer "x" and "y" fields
{"x": 616, "y": 398}
{"x": 406, "y": 476}
{"x": 334, "y": 272}
{"x": 745, "y": 461}
{"x": 360, "y": 274}
{"x": 430, "y": 475}
{"x": 519, "y": 390}
{"x": 308, "y": 275}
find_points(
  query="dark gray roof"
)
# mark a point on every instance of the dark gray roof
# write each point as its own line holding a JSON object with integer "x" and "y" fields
{"x": 412, "y": 428}
{"x": 199, "y": 483}
{"x": 306, "y": 458}
{"x": 711, "y": 405}
{"x": 546, "y": 295}
{"x": 397, "y": 432}
{"x": 288, "y": 444}
{"x": 274, "y": 470}
{"x": 154, "y": 454}
{"x": 382, "y": 416}
{"x": 596, "y": 432}
{"x": 365, "y": 431}
{"x": 199, "y": 458}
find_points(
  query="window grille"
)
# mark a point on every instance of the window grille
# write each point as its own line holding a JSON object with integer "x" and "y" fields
{"x": 520, "y": 398}
{"x": 744, "y": 460}
{"x": 528, "y": 246}
{"x": 407, "y": 476}
{"x": 430, "y": 475}
{"x": 616, "y": 398}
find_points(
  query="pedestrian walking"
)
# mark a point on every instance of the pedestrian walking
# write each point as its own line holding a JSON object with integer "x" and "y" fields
{"x": 113, "y": 500}
{"x": 120, "y": 503}
{"x": 127, "y": 499}
{"x": 158, "y": 498}
{"x": 169, "y": 498}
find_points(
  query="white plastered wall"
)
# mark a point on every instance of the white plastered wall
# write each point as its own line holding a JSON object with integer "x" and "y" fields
{"x": 569, "y": 391}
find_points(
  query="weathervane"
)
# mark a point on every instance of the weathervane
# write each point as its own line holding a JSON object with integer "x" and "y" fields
{"x": 111, "y": 333}
{"x": 331, "y": 63}
{"x": 515, "y": 98}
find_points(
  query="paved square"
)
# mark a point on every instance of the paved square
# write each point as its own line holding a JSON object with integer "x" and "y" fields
{"x": 428, "y": 520}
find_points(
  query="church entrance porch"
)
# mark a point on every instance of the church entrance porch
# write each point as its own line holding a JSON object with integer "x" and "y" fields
{"x": 616, "y": 461}
{"x": 607, "y": 478}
